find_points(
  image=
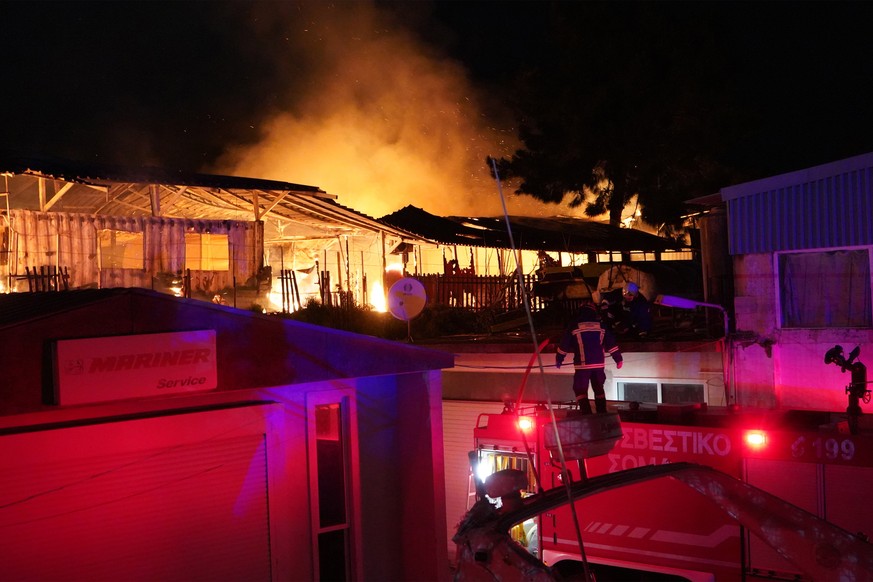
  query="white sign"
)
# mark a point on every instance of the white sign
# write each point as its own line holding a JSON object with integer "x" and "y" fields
{"x": 133, "y": 366}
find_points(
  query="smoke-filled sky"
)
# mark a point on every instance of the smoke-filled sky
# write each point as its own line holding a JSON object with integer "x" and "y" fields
{"x": 344, "y": 96}
{"x": 382, "y": 121}
{"x": 383, "y": 103}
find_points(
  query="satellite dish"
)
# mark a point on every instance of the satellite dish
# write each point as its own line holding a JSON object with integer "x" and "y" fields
{"x": 406, "y": 298}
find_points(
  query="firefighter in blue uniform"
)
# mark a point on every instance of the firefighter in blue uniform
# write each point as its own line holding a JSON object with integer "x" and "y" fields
{"x": 638, "y": 311}
{"x": 589, "y": 343}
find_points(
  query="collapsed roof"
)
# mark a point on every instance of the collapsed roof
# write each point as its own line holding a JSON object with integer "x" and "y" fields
{"x": 559, "y": 233}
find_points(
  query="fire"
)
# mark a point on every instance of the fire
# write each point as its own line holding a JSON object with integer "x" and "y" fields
{"x": 275, "y": 299}
{"x": 378, "y": 293}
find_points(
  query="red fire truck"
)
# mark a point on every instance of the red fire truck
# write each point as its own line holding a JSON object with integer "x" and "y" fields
{"x": 657, "y": 526}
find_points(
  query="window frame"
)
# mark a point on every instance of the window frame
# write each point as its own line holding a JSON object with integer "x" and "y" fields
{"x": 659, "y": 383}
{"x": 113, "y": 233}
{"x": 780, "y": 290}
{"x": 351, "y": 525}
{"x": 204, "y": 242}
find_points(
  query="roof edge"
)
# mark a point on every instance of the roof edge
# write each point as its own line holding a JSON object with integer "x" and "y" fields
{"x": 859, "y": 162}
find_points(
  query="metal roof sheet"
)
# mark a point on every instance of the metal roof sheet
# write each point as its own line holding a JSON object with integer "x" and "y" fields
{"x": 825, "y": 206}
{"x": 805, "y": 176}
{"x": 106, "y": 174}
{"x": 297, "y": 212}
{"x": 560, "y": 233}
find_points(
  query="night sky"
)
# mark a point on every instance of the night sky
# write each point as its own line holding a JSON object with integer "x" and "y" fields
{"x": 358, "y": 96}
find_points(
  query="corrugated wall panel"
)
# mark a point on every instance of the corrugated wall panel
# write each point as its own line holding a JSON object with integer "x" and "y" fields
{"x": 190, "y": 512}
{"x": 829, "y": 211}
{"x": 70, "y": 240}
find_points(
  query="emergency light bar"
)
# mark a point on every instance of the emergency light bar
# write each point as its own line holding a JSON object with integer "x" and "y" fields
{"x": 755, "y": 439}
{"x": 525, "y": 424}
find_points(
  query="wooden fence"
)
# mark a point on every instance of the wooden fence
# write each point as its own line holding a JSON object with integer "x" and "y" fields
{"x": 494, "y": 293}
{"x": 47, "y": 278}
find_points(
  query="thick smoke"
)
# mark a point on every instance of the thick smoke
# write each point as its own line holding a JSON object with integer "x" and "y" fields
{"x": 378, "y": 119}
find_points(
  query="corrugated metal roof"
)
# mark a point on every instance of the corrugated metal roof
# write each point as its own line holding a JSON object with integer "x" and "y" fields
{"x": 126, "y": 191}
{"x": 560, "y": 233}
{"x": 821, "y": 207}
{"x": 106, "y": 174}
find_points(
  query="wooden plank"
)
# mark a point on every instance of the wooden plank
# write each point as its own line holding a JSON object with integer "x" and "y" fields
{"x": 58, "y": 195}
{"x": 155, "y": 199}
{"x": 41, "y": 185}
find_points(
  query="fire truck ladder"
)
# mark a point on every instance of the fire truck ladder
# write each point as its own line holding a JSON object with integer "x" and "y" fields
{"x": 818, "y": 548}
{"x": 537, "y": 350}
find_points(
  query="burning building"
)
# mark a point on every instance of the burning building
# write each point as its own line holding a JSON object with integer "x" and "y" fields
{"x": 238, "y": 241}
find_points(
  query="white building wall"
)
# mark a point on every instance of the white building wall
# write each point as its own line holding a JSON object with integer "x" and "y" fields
{"x": 498, "y": 377}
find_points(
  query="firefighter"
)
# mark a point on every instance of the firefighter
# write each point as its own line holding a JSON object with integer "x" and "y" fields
{"x": 612, "y": 310}
{"x": 638, "y": 311}
{"x": 589, "y": 342}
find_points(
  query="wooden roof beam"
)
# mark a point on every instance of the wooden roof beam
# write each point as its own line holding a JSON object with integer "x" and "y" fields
{"x": 174, "y": 195}
{"x": 114, "y": 193}
{"x": 222, "y": 202}
{"x": 58, "y": 195}
{"x": 277, "y": 201}
{"x": 41, "y": 186}
{"x": 155, "y": 199}
{"x": 272, "y": 210}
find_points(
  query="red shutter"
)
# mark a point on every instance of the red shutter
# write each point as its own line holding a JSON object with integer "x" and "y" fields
{"x": 192, "y": 512}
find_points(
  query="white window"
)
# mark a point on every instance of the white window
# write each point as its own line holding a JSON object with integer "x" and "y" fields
{"x": 609, "y": 257}
{"x": 120, "y": 249}
{"x": 207, "y": 252}
{"x": 677, "y": 256}
{"x": 825, "y": 289}
{"x": 660, "y": 391}
{"x": 642, "y": 256}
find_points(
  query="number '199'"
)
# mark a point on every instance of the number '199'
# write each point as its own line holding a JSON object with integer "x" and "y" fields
{"x": 825, "y": 448}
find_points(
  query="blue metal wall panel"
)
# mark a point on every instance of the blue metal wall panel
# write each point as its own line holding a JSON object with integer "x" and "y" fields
{"x": 816, "y": 208}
